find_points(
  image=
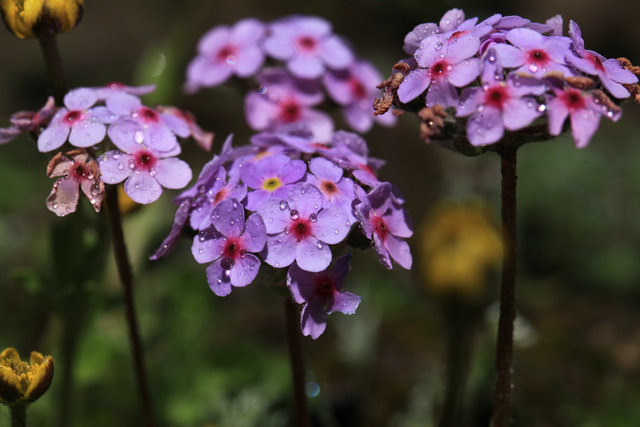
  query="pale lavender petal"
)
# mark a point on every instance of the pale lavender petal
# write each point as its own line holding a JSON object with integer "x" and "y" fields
{"x": 519, "y": 112}
{"x": 345, "y": 302}
{"x": 360, "y": 119}
{"x": 576, "y": 37}
{"x": 413, "y": 84}
{"x": 179, "y": 222}
{"x": 306, "y": 66}
{"x": 244, "y": 270}
{"x": 398, "y": 223}
{"x": 205, "y": 72}
{"x": 280, "y": 250}
{"x": 123, "y": 134}
{"x": 208, "y": 245}
{"x": 228, "y": 218}
{"x": 339, "y": 87}
{"x": 259, "y": 111}
{"x": 381, "y": 250}
{"x": 332, "y": 225}
{"x": 279, "y": 46}
{"x": 319, "y": 123}
{"x": 218, "y": 281}
{"x": 305, "y": 198}
{"x": 509, "y": 56}
{"x": 301, "y": 284}
{"x": 313, "y": 320}
{"x": 173, "y": 173}
{"x": 53, "y": 137}
{"x": 123, "y": 103}
{"x": 103, "y": 114}
{"x": 87, "y": 132}
{"x": 618, "y": 73}
{"x": 399, "y": 251}
{"x": 584, "y": 123}
{"x": 177, "y": 124}
{"x": 335, "y": 53}
{"x": 462, "y": 48}
{"x": 525, "y": 38}
{"x": 469, "y": 101}
{"x": 248, "y": 31}
{"x": 465, "y": 72}
{"x": 615, "y": 89}
{"x": 419, "y": 33}
{"x": 451, "y": 19}
{"x": 275, "y": 214}
{"x": 249, "y": 60}
{"x": 431, "y": 50}
{"x": 255, "y": 234}
{"x": 441, "y": 93}
{"x": 485, "y": 127}
{"x": 142, "y": 188}
{"x": 557, "y": 113}
{"x": 325, "y": 169}
{"x": 312, "y": 255}
{"x": 256, "y": 199}
{"x": 213, "y": 40}
{"x": 114, "y": 167}
{"x": 80, "y": 99}
{"x": 292, "y": 171}
{"x": 159, "y": 137}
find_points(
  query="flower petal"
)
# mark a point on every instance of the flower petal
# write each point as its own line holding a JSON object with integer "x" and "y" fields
{"x": 312, "y": 255}
{"x": 142, "y": 188}
{"x": 172, "y": 173}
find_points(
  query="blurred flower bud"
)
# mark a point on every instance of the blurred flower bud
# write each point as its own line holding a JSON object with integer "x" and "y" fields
{"x": 21, "y": 381}
{"x": 460, "y": 244}
{"x": 29, "y": 18}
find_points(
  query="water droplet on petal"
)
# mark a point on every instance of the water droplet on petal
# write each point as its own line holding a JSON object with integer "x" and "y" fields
{"x": 533, "y": 68}
{"x": 542, "y": 108}
{"x": 294, "y": 214}
{"x": 313, "y": 217}
{"x": 120, "y": 166}
{"x": 283, "y": 205}
{"x": 319, "y": 245}
{"x": 138, "y": 137}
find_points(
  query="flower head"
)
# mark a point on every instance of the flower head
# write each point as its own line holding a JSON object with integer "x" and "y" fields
{"x": 322, "y": 294}
{"x": 28, "y": 121}
{"x": 22, "y": 381}
{"x": 41, "y": 17}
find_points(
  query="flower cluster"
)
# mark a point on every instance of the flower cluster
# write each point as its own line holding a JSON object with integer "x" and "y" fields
{"x": 290, "y": 202}
{"x": 316, "y": 62}
{"x": 145, "y": 140}
{"x": 504, "y": 73}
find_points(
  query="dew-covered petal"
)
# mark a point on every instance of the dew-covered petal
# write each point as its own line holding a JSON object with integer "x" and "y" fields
{"x": 228, "y": 218}
{"x": 345, "y": 302}
{"x": 305, "y": 198}
{"x": 280, "y": 250}
{"x": 509, "y": 56}
{"x": 332, "y": 225}
{"x": 485, "y": 127}
{"x": 335, "y": 53}
{"x": 114, "y": 167}
{"x": 462, "y": 48}
{"x": 293, "y": 171}
{"x": 53, "y": 137}
{"x": 469, "y": 101}
{"x": 256, "y": 199}
{"x": 172, "y": 173}
{"x": 419, "y": 33}
{"x": 465, "y": 72}
{"x": 142, "y": 188}
{"x": 313, "y": 320}
{"x": 519, "y": 112}
{"x": 381, "y": 250}
{"x": 160, "y": 137}
{"x": 208, "y": 245}
{"x": 177, "y": 124}
{"x": 218, "y": 281}
{"x": 244, "y": 270}
{"x": 525, "y": 38}
{"x": 306, "y": 66}
{"x": 255, "y": 234}
{"x": 275, "y": 214}
{"x": 87, "y": 132}
{"x": 413, "y": 84}
{"x": 431, "y": 50}
{"x": 441, "y": 93}
{"x": 123, "y": 103}
{"x": 80, "y": 99}
{"x": 325, "y": 169}
{"x": 312, "y": 254}
{"x": 584, "y": 123}
{"x": 205, "y": 72}
{"x": 124, "y": 133}
{"x": 63, "y": 198}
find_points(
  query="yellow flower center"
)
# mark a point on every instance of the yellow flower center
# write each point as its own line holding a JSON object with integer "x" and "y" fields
{"x": 272, "y": 184}
{"x": 21, "y": 380}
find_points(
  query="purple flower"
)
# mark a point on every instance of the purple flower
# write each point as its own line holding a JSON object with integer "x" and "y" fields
{"x": 300, "y": 229}
{"x": 336, "y": 189}
{"x": 384, "y": 222}
{"x": 145, "y": 169}
{"x": 156, "y": 130}
{"x": 609, "y": 71}
{"x": 114, "y": 88}
{"x": 322, "y": 294}
{"x": 584, "y": 109}
{"x": 499, "y": 104}
{"x": 284, "y": 101}
{"x": 78, "y": 121}
{"x": 223, "y": 188}
{"x": 230, "y": 243}
{"x": 444, "y": 65}
{"x": 296, "y": 137}
{"x": 271, "y": 177}
{"x": 224, "y": 51}
{"x": 308, "y": 46}
{"x": 355, "y": 89}
{"x": 532, "y": 53}
{"x": 28, "y": 121}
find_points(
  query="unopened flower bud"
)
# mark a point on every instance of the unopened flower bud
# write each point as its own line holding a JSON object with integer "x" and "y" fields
{"x": 22, "y": 381}
{"x": 29, "y": 18}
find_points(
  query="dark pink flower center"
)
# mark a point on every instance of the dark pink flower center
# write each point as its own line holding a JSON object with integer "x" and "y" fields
{"x": 439, "y": 69}
{"x": 232, "y": 249}
{"x": 290, "y": 111}
{"x": 573, "y": 99}
{"x": 357, "y": 88}
{"x": 496, "y": 96}
{"x": 307, "y": 43}
{"x": 227, "y": 55}
{"x": 324, "y": 287}
{"x": 301, "y": 228}
{"x": 220, "y": 196}
{"x": 457, "y": 35}
{"x": 328, "y": 187}
{"x": 115, "y": 85}
{"x": 73, "y": 117}
{"x": 147, "y": 115}
{"x": 79, "y": 172}
{"x": 538, "y": 57}
{"x": 367, "y": 169}
{"x": 597, "y": 62}
{"x": 144, "y": 160}
{"x": 380, "y": 227}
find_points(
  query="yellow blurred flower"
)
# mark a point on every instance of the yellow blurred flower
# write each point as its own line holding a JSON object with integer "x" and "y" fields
{"x": 29, "y": 18}
{"x": 21, "y": 381}
{"x": 459, "y": 245}
{"x": 124, "y": 201}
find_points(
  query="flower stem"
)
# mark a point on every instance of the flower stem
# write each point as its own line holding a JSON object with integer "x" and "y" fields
{"x": 501, "y": 416}
{"x": 49, "y": 47}
{"x": 18, "y": 414}
{"x": 126, "y": 278}
{"x": 297, "y": 364}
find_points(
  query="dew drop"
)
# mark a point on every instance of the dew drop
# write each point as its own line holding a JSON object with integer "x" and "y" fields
{"x": 439, "y": 45}
{"x": 120, "y": 166}
{"x": 116, "y": 156}
{"x": 132, "y": 164}
{"x": 294, "y": 214}
{"x": 491, "y": 58}
{"x": 283, "y": 205}
{"x": 138, "y": 137}
{"x": 319, "y": 245}
{"x": 276, "y": 264}
{"x": 152, "y": 172}
{"x": 230, "y": 60}
{"x": 542, "y": 108}
{"x": 54, "y": 206}
{"x": 533, "y": 68}
{"x": 313, "y": 217}
{"x": 336, "y": 231}
{"x": 200, "y": 251}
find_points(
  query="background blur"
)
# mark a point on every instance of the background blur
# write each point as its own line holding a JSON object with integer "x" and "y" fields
{"x": 223, "y": 361}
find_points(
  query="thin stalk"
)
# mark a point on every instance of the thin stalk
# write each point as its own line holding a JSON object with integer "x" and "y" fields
{"x": 53, "y": 63}
{"x": 70, "y": 340}
{"x": 18, "y": 414}
{"x": 126, "y": 278}
{"x": 297, "y": 364}
{"x": 502, "y": 396}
